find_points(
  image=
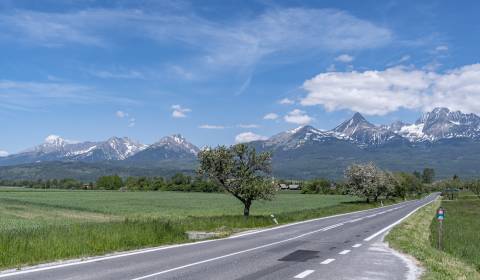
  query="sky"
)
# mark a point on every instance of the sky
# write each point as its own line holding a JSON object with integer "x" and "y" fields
{"x": 220, "y": 72}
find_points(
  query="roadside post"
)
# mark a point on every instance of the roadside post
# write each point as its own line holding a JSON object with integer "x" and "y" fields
{"x": 440, "y": 218}
{"x": 274, "y": 219}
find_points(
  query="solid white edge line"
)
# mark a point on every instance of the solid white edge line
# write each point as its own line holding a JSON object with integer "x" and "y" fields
{"x": 327, "y": 261}
{"x": 304, "y": 274}
{"x": 154, "y": 249}
{"x": 396, "y": 223}
{"x": 344, "y": 252}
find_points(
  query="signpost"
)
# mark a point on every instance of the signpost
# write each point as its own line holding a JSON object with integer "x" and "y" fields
{"x": 440, "y": 218}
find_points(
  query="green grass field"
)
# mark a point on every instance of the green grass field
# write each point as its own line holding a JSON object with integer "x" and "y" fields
{"x": 39, "y": 226}
{"x": 461, "y": 229}
{"x": 165, "y": 204}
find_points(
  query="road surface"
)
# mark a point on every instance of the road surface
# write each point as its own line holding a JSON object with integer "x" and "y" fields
{"x": 339, "y": 247}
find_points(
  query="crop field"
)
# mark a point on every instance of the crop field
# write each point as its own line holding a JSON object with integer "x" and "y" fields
{"x": 38, "y": 226}
{"x": 461, "y": 229}
{"x": 165, "y": 204}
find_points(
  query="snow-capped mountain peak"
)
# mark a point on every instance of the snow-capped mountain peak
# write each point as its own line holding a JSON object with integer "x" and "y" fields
{"x": 54, "y": 140}
{"x": 358, "y": 129}
{"x": 177, "y": 142}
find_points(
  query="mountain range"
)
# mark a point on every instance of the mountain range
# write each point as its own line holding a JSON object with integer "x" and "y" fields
{"x": 446, "y": 140}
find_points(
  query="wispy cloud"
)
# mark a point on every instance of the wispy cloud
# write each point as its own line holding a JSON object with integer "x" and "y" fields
{"x": 132, "y": 122}
{"x": 119, "y": 74}
{"x": 121, "y": 114}
{"x": 442, "y": 48}
{"x": 124, "y": 115}
{"x": 21, "y": 95}
{"x": 248, "y": 126}
{"x": 3, "y": 153}
{"x": 243, "y": 42}
{"x": 381, "y": 92}
{"x": 211, "y": 126}
{"x": 179, "y": 111}
{"x": 181, "y": 72}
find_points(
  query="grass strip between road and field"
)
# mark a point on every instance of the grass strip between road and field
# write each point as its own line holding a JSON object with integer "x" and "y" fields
{"x": 413, "y": 237}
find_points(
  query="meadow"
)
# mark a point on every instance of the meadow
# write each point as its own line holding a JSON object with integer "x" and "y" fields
{"x": 38, "y": 226}
{"x": 461, "y": 229}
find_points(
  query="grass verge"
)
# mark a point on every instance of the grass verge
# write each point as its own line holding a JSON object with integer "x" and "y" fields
{"x": 461, "y": 229}
{"x": 413, "y": 237}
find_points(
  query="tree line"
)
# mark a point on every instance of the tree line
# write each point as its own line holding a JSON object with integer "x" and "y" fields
{"x": 178, "y": 182}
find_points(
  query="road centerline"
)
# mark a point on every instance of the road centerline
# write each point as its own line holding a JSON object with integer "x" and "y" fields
{"x": 327, "y": 261}
{"x": 304, "y": 274}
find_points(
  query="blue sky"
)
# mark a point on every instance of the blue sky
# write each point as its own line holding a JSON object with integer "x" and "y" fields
{"x": 217, "y": 71}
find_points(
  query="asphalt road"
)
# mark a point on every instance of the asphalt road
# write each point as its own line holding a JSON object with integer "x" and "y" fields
{"x": 339, "y": 247}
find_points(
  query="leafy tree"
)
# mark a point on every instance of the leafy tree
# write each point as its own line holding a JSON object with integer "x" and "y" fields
{"x": 180, "y": 179}
{"x": 474, "y": 186}
{"x": 113, "y": 182}
{"x": 407, "y": 184}
{"x": 417, "y": 174}
{"x": 366, "y": 180}
{"x": 157, "y": 183}
{"x": 240, "y": 170}
{"x": 317, "y": 186}
{"x": 428, "y": 175}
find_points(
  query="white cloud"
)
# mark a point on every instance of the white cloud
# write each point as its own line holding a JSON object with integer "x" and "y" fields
{"x": 441, "y": 48}
{"x": 124, "y": 115}
{"x": 211, "y": 126}
{"x": 270, "y": 116}
{"x": 248, "y": 137}
{"x": 382, "y": 92}
{"x": 53, "y": 138}
{"x": 248, "y": 126}
{"x": 179, "y": 111}
{"x": 286, "y": 101}
{"x": 3, "y": 153}
{"x": 345, "y": 58}
{"x": 121, "y": 114}
{"x": 298, "y": 117}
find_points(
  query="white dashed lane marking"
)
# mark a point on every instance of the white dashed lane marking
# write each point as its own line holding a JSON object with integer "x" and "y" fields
{"x": 327, "y": 261}
{"x": 344, "y": 252}
{"x": 357, "y": 245}
{"x": 304, "y": 274}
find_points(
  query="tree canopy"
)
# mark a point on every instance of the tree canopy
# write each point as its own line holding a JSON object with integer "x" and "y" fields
{"x": 240, "y": 170}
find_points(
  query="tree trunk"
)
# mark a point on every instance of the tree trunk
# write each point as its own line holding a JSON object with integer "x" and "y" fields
{"x": 376, "y": 198}
{"x": 368, "y": 199}
{"x": 246, "y": 209}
